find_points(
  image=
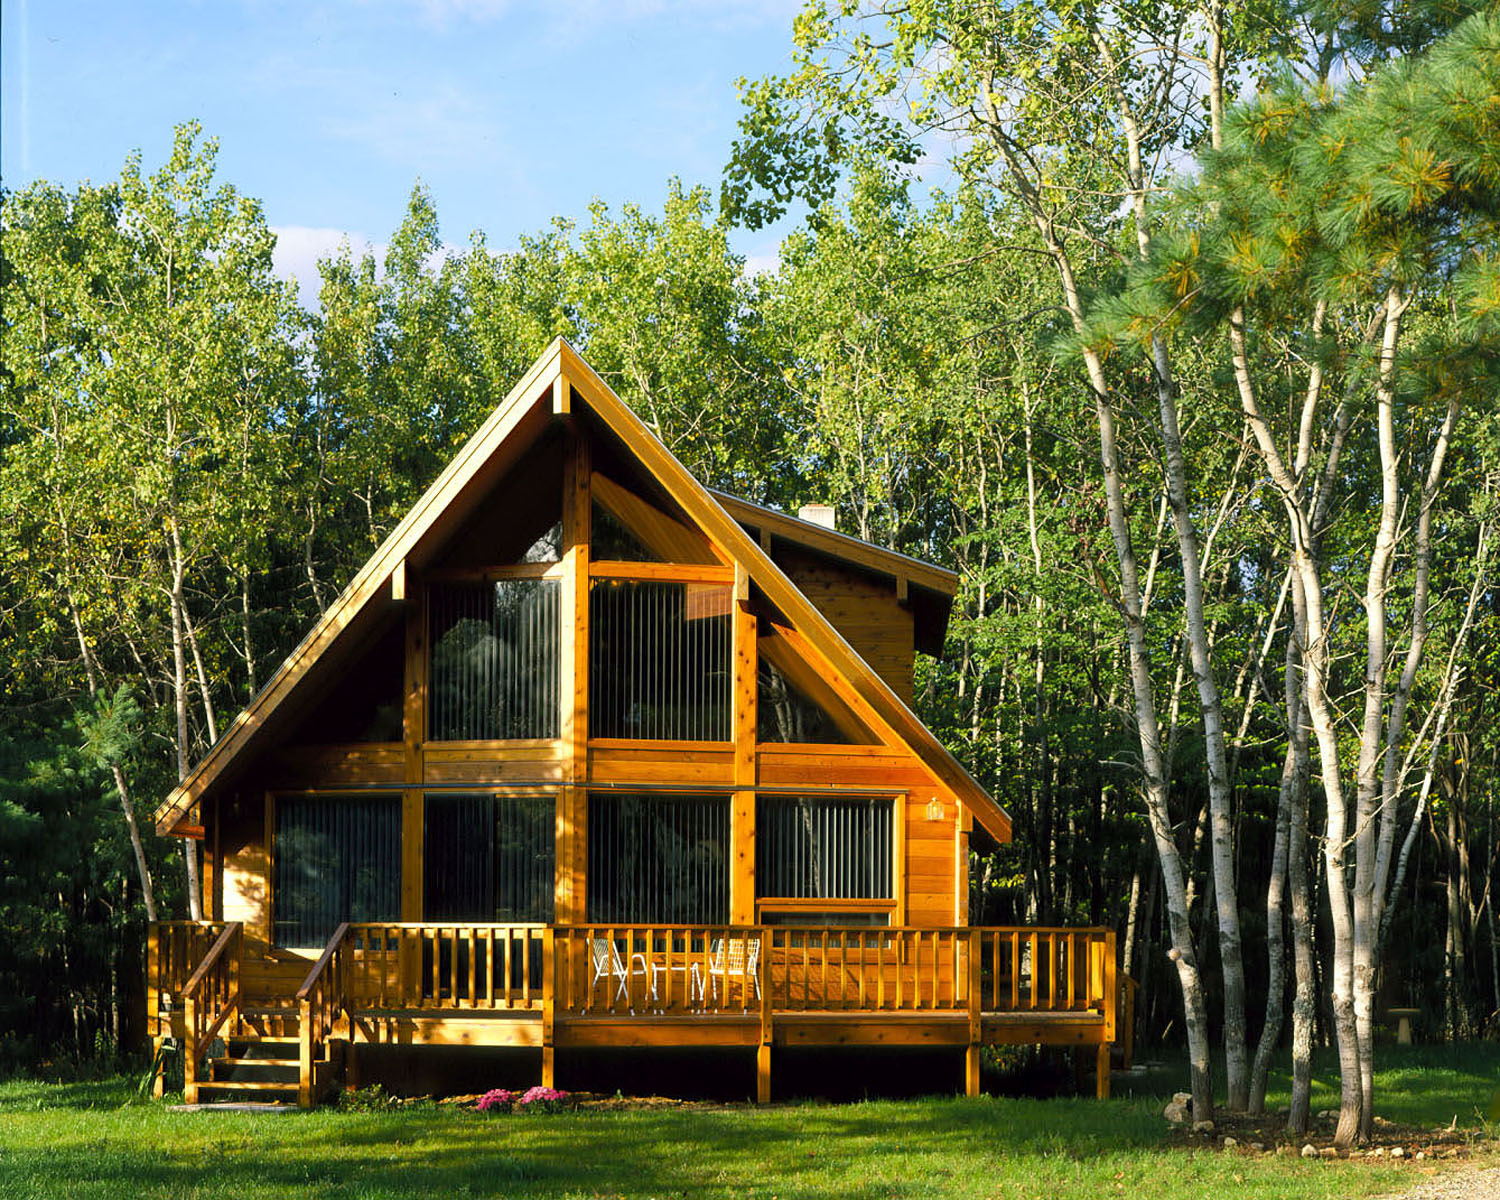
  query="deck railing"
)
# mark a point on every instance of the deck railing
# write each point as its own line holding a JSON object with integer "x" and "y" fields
{"x": 622, "y": 969}
{"x": 601, "y": 970}
{"x": 480, "y": 967}
{"x": 210, "y": 997}
{"x": 173, "y": 951}
{"x": 322, "y": 1001}
{"x": 1035, "y": 969}
{"x": 868, "y": 969}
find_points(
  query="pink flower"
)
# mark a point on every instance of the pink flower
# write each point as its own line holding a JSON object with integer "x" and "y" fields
{"x": 496, "y": 1100}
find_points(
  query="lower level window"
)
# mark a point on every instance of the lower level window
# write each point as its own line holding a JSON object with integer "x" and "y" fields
{"x": 661, "y": 860}
{"x": 489, "y": 858}
{"x": 337, "y": 858}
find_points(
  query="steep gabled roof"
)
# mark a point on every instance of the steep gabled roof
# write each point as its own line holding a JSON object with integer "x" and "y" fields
{"x": 559, "y": 380}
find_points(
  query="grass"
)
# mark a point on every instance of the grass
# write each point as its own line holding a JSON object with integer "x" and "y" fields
{"x": 91, "y": 1140}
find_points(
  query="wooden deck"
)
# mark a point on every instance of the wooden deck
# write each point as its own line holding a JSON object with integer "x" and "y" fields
{"x": 545, "y": 987}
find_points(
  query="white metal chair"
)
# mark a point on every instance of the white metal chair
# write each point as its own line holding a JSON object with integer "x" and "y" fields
{"x": 733, "y": 958}
{"x": 608, "y": 964}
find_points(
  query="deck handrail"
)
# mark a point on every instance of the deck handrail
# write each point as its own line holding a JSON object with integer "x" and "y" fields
{"x": 209, "y": 998}
{"x": 320, "y": 1000}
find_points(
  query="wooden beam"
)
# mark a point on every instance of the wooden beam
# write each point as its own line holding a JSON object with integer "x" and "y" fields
{"x": 790, "y": 656}
{"x": 398, "y": 581}
{"x": 572, "y": 801}
{"x": 666, "y": 572}
{"x": 663, "y": 535}
{"x": 742, "y": 811}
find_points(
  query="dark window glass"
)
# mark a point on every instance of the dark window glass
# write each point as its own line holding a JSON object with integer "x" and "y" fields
{"x": 494, "y": 661}
{"x": 785, "y": 714}
{"x": 337, "y": 859}
{"x": 659, "y": 660}
{"x": 658, "y": 860}
{"x": 823, "y": 849}
{"x": 610, "y": 540}
{"x": 488, "y": 858}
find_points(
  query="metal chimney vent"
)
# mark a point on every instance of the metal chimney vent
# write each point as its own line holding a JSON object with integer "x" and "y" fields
{"x": 819, "y": 514}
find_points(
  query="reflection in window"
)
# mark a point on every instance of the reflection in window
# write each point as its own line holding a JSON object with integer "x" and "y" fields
{"x": 658, "y": 859}
{"x": 784, "y": 713}
{"x": 336, "y": 859}
{"x": 659, "y": 660}
{"x": 823, "y": 849}
{"x": 489, "y": 858}
{"x": 494, "y": 660}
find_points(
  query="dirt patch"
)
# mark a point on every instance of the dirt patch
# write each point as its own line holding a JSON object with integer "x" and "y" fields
{"x": 1268, "y": 1135}
{"x": 600, "y": 1102}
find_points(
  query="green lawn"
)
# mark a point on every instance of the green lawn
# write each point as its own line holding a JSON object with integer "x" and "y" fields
{"x": 89, "y": 1140}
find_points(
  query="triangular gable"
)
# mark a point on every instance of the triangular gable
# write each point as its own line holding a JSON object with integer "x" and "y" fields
{"x": 558, "y": 376}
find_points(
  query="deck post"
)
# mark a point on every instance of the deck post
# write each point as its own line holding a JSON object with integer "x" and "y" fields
{"x": 549, "y": 1008}
{"x": 190, "y": 1050}
{"x": 763, "y": 1051}
{"x": 975, "y": 944}
{"x": 304, "y": 1053}
{"x": 1102, "y": 1077}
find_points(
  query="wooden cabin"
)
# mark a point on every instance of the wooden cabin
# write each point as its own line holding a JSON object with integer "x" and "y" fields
{"x": 590, "y": 756}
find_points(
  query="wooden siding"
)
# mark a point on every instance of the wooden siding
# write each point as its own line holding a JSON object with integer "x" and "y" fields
{"x": 864, "y": 610}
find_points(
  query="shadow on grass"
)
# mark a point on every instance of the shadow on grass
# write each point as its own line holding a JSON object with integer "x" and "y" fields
{"x": 871, "y": 1150}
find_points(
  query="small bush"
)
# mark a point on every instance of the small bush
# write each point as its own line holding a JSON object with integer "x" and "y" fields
{"x": 368, "y": 1099}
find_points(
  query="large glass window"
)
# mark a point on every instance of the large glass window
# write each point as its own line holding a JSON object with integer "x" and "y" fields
{"x": 494, "y": 660}
{"x": 659, "y": 660}
{"x": 815, "y": 848}
{"x": 658, "y": 859}
{"x": 336, "y": 859}
{"x": 489, "y": 858}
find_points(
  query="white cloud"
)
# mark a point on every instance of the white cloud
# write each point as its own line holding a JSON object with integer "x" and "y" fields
{"x": 762, "y": 264}
{"x": 299, "y": 247}
{"x": 442, "y": 127}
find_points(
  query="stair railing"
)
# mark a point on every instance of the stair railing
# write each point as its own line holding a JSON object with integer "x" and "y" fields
{"x": 321, "y": 1001}
{"x": 209, "y": 998}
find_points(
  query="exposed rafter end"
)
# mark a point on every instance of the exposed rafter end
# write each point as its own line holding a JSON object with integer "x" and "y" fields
{"x": 398, "y": 582}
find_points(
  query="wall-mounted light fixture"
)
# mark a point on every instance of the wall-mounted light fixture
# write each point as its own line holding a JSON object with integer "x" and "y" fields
{"x": 935, "y": 809}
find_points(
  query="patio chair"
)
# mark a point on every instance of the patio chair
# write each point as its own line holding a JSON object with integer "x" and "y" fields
{"x": 732, "y": 959}
{"x": 608, "y": 964}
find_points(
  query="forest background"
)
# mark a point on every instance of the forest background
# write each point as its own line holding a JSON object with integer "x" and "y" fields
{"x": 1190, "y": 379}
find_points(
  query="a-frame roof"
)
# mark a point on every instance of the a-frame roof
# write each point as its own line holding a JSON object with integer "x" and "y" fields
{"x": 556, "y": 384}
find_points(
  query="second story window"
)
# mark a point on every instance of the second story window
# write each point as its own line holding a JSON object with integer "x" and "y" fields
{"x": 659, "y": 660}
{"x": 494, "y": 665}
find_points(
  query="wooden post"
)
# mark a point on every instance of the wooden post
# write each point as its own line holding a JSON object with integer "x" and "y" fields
{"x": 304, "y": 1053}
{"x": 1111, "y": 1005}
{"x": 549, "y": 1007}
{"x": 976, "y": 1006}
{"x": 190, "y": 1050}
{"x": 414, "y": 738}
{"x": 742, "y": 810}
{"x": 572, "y": 815}
{"x": 763, "y": 1051}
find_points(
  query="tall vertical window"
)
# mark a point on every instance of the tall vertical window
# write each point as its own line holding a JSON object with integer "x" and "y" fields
{"x": 336, "y": 859}
{"x": 489, "y": 858}
{"x": 658, "y": 859}
{"x": 812, "y": 848}
{"x": 659, "y": 660}
{"x": 494, "y": 665}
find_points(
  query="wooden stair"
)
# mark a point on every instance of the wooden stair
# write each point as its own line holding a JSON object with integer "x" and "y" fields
{"x": 253, "y": 1069}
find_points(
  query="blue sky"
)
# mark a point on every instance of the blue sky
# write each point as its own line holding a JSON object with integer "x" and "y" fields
{"x": 510, "y": 111}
